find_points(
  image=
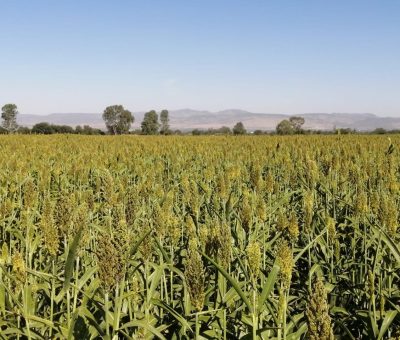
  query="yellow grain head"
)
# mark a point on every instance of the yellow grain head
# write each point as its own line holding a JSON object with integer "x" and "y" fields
{"x": 269, "y": 183}
{"x": 281, "y": 221}
{"x": 374, "y": 202}
{"x": 190, "y": 227}
{"x": 63, "y": 212}
{"x": 331, "y": 228}
{"x": 89, "y": 199}
{"x": 246, "y": 213}
{"x": 194, "y": 276}
{"x": 388, "y": 214}
{"x": 261, "y": 209}
{"x": 317, "y": 314}
{"x": 204, "y": 235}
{"x": 49, "y": 229}
{"x": 122, "y": 236}
{"x": 222, "y": 187}
{"x": 361, "y": 206}
{"x": 293, "y": 228}
{"x": 255, "y": 176}
{"x": 284, "y": 258}
{"x": 110, "y": 262}
{"x": 393, "y": 184}
{"x": 312, "y": 171}
{"x": 6, "y": 208}
{"x": 107, "y": 188}
{"x": 194, "y": 201}
{"x": 29, "y": 193}
{"x": 254, "y": 259}
{"x": 308, "y": 201}
{"x": 225, "y": 240}
{"x": 18, "y": 270}
{"x": 146, "y": 247}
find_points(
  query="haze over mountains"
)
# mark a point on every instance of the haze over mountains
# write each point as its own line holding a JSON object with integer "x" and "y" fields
{"x": 187, "y": 119}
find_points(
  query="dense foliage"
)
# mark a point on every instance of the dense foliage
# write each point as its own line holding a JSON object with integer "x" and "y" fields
{"x": 214, "y": 237}
{"x": 9, "y": 117}
{"x": 150, "y": 124}
{"x": 118, "y": 120}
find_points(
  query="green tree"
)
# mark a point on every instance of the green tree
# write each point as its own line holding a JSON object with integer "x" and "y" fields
{"x": 150, "y": 123}
{"x": 239, "y": 129}
{"x": 9, "y": 115}
{"x": 258, "y": 132}
{"x": 23, "y": 130}
{"x": 297, "y": 123}
{"x": 164, "y": 118}
{"x": 43, "y": 128}
{"x": 379, "y": 131}
{"x": 78, "y": 130}
{"x": 117, "y": 119}
{"x": 223, "y": 130}
{"x": 285, "y": 127}
{"x": 196, "y": 132}
{"x": 63, "y": 129}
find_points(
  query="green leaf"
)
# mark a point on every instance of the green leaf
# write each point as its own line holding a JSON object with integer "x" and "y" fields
{"x": 174, "y": 313}
{"x": 69, "y": 265}
{"x": 389, "y": 317}
{"x": 91, "y": 319}
{"x": 138, "y": 243}
{"x": 232, "y": 281}
{"x": 301, "y": 252}
{"x": 297, "y": 335}
{"x": 268, "y": 286}
{"x": 163, "y": 252}
{"x": 155, "y": 279}
{"x": 392, "y": 246}
{"x": 146, "y": 326}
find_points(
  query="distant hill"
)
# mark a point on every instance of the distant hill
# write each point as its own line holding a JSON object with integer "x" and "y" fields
{"x": 71, "y": 119}
{"x": 188, "y": 119}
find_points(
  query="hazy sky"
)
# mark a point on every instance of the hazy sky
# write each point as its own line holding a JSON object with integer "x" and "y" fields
{"x": 263, "y": 56}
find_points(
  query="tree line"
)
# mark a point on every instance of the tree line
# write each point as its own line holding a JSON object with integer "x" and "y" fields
{"x": 9, "y": 114}
{"x": 118, "y": 121}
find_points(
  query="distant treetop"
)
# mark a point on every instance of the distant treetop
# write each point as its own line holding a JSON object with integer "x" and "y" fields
{"x": 9, "y": 116}
{"x": 239, "y": 129}
{"x": 291, "y": 126}
{"x": 117, "y": 119}
{"x": 150, "y": 123}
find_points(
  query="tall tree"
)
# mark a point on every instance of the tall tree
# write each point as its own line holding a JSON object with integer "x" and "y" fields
{"x": 285, "y": 127}
{"x": 291, "y": 126}
{"x": 150, "y": 123}
{"x": 297, "y": 123}
{"x": 239, "y": 129}
{"x": 164, "y": 118}
{"x": 9, "y": 115}
{"x": 117, "y": 119}
{"x": 43, "y": 128}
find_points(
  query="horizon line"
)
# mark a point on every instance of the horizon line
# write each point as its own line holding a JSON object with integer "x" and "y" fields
{"x": 220, "y": 111}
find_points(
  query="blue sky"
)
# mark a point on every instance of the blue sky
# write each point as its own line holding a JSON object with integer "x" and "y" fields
{"x": 262, "y": 56}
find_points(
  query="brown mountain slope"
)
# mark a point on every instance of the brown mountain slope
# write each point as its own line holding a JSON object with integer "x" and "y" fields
{"x": 187, "y": 119}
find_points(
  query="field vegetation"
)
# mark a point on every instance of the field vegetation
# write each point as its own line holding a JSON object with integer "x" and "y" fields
{"x": 213, "y": 237}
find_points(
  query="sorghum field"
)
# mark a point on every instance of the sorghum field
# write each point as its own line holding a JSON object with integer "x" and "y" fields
{"x": 199, "y": 237}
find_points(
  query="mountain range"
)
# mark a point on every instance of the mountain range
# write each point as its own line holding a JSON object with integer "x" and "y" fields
{"x": 187, "y": 119}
